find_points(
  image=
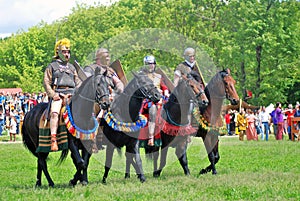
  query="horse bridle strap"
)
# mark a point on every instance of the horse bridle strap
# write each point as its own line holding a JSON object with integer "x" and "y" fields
{"x": 85, "y": 98}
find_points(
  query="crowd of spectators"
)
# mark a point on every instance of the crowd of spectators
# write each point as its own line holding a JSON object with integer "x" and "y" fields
{"x": 260, "y": 123}
{"x": 13, "y": 107}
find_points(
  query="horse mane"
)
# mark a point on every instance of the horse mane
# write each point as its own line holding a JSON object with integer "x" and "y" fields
{"x": 82, "y": 116}
{"x": 121, "y": 104}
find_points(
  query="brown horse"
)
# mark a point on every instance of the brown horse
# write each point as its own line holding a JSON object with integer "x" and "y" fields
{"x": 221, "y": 86}
{"x": 176, "y": 128}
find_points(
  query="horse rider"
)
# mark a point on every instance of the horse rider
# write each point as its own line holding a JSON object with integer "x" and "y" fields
{"x": 102, "y": 61}
{"x": 189, "y": 65}
{"x": 60, "y": 81}
{"x": 149, "y": 68}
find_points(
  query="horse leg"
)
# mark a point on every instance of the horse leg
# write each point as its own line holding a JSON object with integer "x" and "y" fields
{"x": 86, "y": 157}
{"x": 129, "y": 161}
{"x": 108, "y": 161}
{"x": 42, "y": 165}
{"x": 138, "y": 162}
{"x": 163, "y": 160}
{"x": 75, "y": 152}
{"x": 78, "y": 175}
{"x": 38, "y": 175}
{"x": 182, "y": 157}
{"x": 211, "y": 143}
{"x": 155, "y": 158}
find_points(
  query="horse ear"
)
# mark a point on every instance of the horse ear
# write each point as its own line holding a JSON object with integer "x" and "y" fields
{"x": 228, "y": 71}
{"x": 97, "y": 71}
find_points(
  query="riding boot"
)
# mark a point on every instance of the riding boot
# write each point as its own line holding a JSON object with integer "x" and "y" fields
{"x": 54, "y": 146}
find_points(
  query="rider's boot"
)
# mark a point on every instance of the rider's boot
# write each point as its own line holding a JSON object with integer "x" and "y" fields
{"x": 54, "y": 146}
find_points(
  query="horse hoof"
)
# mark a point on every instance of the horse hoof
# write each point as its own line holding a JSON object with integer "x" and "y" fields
{"x": 104, "y": 180}
{"x": 127, "y": 175}
{"x": 38, "y": 184}
{"x": 72, "y": 183}
{"x": 84, "y": 183}
{"x": 142, "y": 178}
{"x": 203, "y": 171}
{"x": 156, "y": 173}
{"x": 214, "y": 172}
{"x": 187, "y": 173}
{"x": 51, "y": 185}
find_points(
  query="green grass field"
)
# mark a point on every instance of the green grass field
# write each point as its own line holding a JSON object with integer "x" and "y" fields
{"x": 246, "y": 171}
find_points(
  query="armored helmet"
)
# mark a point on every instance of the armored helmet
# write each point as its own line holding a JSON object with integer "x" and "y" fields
{"x": 63, "y": 44}
{"x": 149, "y": 60}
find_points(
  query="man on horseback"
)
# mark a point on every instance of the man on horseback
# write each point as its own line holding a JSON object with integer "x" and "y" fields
{"x": 60, "y": 81}
{"x": 188, "y": 66}
{"x": 102, "y": 61}
{"x": 150, "y": 65}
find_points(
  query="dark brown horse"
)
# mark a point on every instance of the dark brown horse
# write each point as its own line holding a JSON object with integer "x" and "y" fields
{"x": 176, "y": 113}
{"x": 122, "y": 124}
{"x": 220, "y": 87}
{"x": 93, "y": 89}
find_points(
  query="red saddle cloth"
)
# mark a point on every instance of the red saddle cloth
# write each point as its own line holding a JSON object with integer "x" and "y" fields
{"x": 162, "y": 125}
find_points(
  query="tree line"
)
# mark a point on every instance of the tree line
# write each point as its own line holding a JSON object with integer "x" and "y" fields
{"x": 258, "y": 40}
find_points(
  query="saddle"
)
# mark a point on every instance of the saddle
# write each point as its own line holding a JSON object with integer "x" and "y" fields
{"x": 45, "y": 137}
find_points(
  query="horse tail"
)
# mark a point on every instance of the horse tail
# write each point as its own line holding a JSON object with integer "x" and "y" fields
{"x": 63, "y": 156}
{"x": 28, "y": 142}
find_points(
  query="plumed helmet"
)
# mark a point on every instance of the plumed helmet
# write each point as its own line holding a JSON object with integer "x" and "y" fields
{"x": 63, "y": 44}
{"x": 103, "y": 55}
{"x": 149, "y": 60}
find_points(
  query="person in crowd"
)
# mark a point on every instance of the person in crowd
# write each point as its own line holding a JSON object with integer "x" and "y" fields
{"x": 227, "y": 121}
{"x": 280, "y": 121}
{"x": 289, "y": 114}
{"x": 296, "y": 114}
{"x": 60, "y": 81}
{"x": 264, "y": 118}
{"x": 2, "y": 121}
{"x": 148, "y": 106}
{"x": 242, "y": 124}
{"x": 232, "y": 122}
{"x": 251, "y": 130}
{"x": 12, "y": 128}
{"x": 274, "y": 122}
{"x": 258, "y": 124}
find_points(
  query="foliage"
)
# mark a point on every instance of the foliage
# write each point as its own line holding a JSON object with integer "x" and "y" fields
{"x": 258, "y": 40}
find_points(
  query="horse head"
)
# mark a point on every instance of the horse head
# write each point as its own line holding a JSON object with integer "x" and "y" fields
{"x": 102, "y": 90}
{"x": 199, "y": 96}
{"x": 146, "y": 87}
{"x": 229, "y": 83}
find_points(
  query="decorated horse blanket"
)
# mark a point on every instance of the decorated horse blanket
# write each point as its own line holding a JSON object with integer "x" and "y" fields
{"x": 45, "y": 137}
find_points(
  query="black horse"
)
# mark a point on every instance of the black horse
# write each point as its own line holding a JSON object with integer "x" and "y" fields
{"x": 221, "y": 86}
{"x": 118, "y": 132}
{"x": 93, "y": 89}
{"x": 177, "y": 115}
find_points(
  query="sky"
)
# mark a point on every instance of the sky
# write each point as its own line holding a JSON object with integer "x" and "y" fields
{"x": 22, "y": 14}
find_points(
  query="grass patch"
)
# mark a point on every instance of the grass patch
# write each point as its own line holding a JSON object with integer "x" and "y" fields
{"x": 246, "y": 171}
